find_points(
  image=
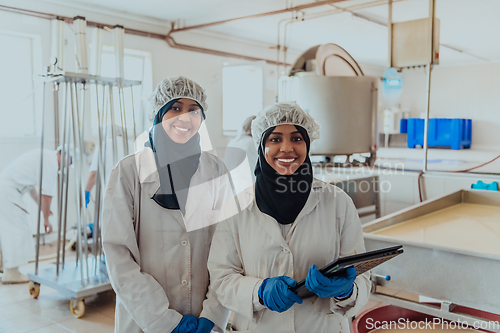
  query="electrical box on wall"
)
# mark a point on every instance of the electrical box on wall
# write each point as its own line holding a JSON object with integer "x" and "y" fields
{"x": 411, "y": 43}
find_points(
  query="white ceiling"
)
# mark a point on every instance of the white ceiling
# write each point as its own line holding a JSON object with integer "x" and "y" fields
{"x": 469, "y": 25}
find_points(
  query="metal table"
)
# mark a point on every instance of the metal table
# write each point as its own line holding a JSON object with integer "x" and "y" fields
{"x": 455, "y": 276}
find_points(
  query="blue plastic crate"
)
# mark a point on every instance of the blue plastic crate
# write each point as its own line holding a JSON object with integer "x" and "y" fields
{"x": 415, "y": 132}
{"x": 403, "y": 125}
{"x": 453, "y": 133}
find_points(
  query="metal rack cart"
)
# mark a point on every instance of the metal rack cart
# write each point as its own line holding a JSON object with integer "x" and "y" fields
{"x": 87, "y": 275}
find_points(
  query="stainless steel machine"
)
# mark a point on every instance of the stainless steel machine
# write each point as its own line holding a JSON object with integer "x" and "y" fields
{"x": 462, "y": 273}
{"x": 329, "y": 84}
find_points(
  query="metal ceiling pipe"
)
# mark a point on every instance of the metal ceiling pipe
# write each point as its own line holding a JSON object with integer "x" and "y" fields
{"x": 274, "y": 12}
{"x": 305, "y": 17}
{"x": 173, "y": 44}
{"x": 30, "y": 12}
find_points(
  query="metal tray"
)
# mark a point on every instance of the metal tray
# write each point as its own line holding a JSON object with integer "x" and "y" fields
{"x": 451, "y": 275}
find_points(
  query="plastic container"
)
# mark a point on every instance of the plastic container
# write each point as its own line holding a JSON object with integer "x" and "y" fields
{"x": 443, "y": 132}
{"x": 415, "y": 132}
{"x": 403, "y": 125}
{"x": 485, "y": 186}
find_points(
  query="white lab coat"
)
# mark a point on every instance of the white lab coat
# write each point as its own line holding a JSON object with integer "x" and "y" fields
{"x": 249, "y": 247}
{"x": 243, "y": 175}
{"x": 246, "y": 143}
{"x": 17, "y": 179}
{"x": 109, "y": 155}
{"x": 156, "y": 267}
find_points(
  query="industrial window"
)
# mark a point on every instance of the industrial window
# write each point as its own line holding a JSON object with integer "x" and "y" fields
{"x": 242, "y": 94}
{"x": 137, "y": 66}
{"x": 20, "y": 108}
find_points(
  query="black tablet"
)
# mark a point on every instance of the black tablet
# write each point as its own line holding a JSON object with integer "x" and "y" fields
{"x": 361, "y": 262}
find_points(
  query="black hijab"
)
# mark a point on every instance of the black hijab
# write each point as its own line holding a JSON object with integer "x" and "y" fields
{"x": 176, "y": 162}
{"x": 282, "y": 197}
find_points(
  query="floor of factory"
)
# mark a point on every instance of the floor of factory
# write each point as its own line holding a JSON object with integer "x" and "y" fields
{"x": 19, "y": 312}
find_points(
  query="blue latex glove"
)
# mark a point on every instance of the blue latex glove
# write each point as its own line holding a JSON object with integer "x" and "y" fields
{"x": 276, "y": 295}
{"x": 87, "y": 198}
{"x": 204, "y": 325}
{"x": 91, "y": 227}
{"x": 188, "y": 324}
{"x": 339, "y": 286}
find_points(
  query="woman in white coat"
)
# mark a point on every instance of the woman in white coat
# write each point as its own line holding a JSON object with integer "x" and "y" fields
{"x": 159, "y": 211}
{"x": 292, "y": 225}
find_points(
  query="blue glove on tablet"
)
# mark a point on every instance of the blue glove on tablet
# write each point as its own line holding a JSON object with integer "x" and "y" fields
{"x": 338, "y": 286}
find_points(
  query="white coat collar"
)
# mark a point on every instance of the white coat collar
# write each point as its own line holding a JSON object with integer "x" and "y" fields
{"x": 206, "y": 172}
{"x": 146, "y": 166}
{"x": 272, "y": 228}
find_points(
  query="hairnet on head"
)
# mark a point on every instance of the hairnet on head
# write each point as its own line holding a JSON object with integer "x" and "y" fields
{"x": 282, "y": 113}
{"x": 175, "y": 88}
{"x": 68, "y": 149}
{"x": 246, "y": 128}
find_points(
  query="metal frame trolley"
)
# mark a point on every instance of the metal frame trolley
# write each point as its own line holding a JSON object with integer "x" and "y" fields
{"x": 87, "y": 275}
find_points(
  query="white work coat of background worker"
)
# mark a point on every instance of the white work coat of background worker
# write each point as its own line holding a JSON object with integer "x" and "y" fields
{"x": 109, "y": 159}
{"x": 284, "y": 230}
{"x": 156, "y": 256}
{"x": 22, "y": 176}
{"x": 245, "y": 142}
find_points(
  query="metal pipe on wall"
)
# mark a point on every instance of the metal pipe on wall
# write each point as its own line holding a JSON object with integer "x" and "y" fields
{"x": 274, "y": 12}
{"x": 173, "y": 44}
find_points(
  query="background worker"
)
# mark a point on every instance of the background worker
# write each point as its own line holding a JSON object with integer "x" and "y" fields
{"x": 109, "y": 158}
{"x": 245, "y": 142}
{"x": 16, "y": 236}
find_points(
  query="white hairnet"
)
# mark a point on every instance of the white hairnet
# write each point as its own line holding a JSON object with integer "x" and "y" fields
{"x": 282, "y": 113}
{"x": 177, "y": 87}
{"x": 246, "y": 128}
{"x": 68, "y": 149}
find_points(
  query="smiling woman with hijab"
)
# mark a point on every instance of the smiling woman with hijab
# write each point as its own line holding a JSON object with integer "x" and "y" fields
{"x": 291, "y": 225}
{"x": 159, "y": 215}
